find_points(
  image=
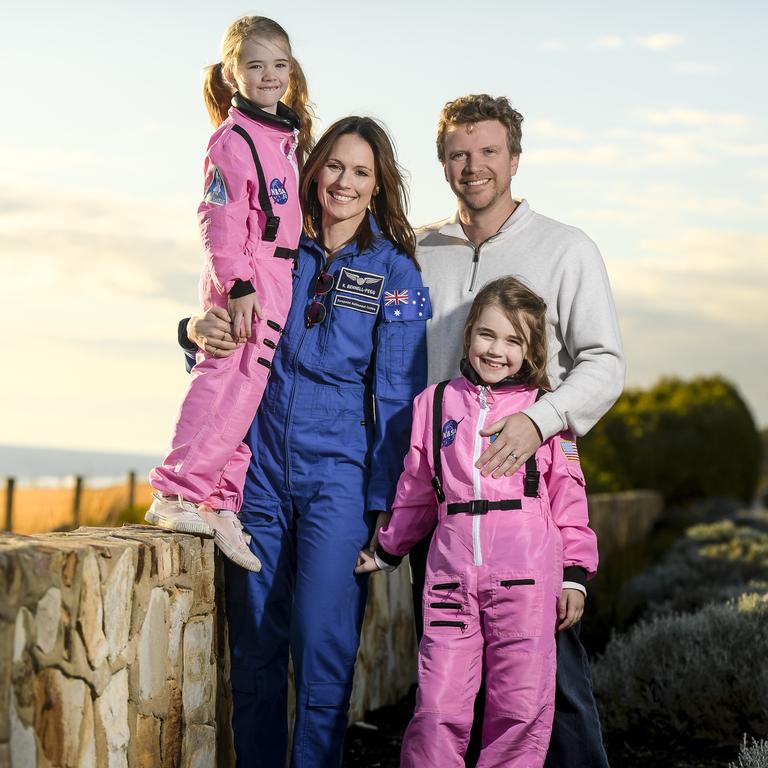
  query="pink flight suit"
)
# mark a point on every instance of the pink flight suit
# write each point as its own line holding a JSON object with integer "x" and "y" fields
{"x": 493, "y": 581}
{"x": 208, "y": 461}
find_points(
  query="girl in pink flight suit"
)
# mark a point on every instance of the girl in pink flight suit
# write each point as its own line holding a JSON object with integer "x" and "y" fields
{"x": 250, "y": 222}
{"x": 509, "y": 557}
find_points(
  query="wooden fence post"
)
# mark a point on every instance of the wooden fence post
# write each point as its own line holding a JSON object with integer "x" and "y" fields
{"x": 131, "y": 489}
{"x": 10, "y": 484}
{"x": 77, "y": 501}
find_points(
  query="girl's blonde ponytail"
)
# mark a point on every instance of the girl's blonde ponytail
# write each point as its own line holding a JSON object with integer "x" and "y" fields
{"x": 217, "y": 94}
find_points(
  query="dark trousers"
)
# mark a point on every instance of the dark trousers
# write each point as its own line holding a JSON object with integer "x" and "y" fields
{"x": 577, "y": 741}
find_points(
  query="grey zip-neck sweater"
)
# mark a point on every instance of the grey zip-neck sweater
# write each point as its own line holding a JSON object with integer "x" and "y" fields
{"x": 562, "y": 265}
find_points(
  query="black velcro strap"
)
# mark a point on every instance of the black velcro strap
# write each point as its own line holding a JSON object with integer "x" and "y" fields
{"x": 532, "y": 474}
{"x": 481, "y": 506}
{"x": 437, "y": 434}
{"x": 286, "y": 253}
{"x": 264, "y": 362}
{"x": 531, "y": 481}
{"x": 273, "y": 222}
{"x": 274, "y": 326}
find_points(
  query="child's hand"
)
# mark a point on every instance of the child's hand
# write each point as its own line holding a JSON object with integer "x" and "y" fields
{"x": 365, "y": 562}
{"x": 241, "y": 310}
{"x": 570, "y": 609}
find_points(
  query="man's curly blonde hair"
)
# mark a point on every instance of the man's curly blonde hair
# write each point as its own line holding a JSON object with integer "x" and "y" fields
{"x": 473, "y": 109}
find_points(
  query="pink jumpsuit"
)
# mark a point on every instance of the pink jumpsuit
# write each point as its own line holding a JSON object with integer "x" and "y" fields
{"x": 208, "y": 460}
{"x": 493, "y": 580}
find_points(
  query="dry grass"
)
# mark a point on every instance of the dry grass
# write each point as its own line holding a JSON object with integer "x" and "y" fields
{"x": 38, "y": 510}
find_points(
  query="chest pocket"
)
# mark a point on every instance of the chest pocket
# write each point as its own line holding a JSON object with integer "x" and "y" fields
{"x": 347, "y": 334}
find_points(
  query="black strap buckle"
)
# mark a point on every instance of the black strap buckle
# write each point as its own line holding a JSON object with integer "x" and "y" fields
{"x": 438, "y": 486}
{"x": 478, "y": 507}
{"x": 270, "y": 229}
{"x": 531, "y": 483}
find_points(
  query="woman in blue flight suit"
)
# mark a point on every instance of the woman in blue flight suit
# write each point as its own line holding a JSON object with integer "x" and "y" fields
{"x": 328, "y": 445}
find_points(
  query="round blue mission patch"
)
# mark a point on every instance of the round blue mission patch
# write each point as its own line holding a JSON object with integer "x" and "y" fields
{"x": 449, "y": 433}
{"x": 277, "y": 192}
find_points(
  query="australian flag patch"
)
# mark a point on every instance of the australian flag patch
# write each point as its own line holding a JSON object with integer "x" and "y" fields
{"x": 407, "y": 304}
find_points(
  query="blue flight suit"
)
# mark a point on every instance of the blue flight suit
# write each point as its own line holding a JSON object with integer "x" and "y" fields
{"x": 328, "y": 444}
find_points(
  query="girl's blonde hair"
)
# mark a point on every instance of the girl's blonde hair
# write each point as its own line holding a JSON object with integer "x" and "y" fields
{"x": 217, "y": 91}
{"x": 527, "y": 312}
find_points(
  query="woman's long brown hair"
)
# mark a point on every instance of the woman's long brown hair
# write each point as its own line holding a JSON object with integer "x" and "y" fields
{"x": 388, "y": 205}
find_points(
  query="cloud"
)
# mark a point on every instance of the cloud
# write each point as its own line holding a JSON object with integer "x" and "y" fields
{"x": 552, "y": 45}
{"x": 695, "y": 304}
{"x": 661, "y": 41}
{"x": 611, "y": 42}
{"x": 547, "y": 129}
{"x": 694, "y": 117}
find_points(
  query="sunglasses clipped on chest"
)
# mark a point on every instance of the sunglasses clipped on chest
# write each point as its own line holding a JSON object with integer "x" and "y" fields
{"x": 316, "y": 310}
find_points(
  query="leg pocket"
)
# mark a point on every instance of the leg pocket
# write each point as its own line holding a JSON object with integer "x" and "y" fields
{"x": 446, "y": 606}
{"x": 517, "y": 604}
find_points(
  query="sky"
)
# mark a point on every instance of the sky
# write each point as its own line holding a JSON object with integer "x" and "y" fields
{"x": 644, "y": 126}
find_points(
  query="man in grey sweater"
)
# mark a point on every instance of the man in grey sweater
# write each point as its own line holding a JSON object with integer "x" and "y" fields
{"x": 491, "y": 235}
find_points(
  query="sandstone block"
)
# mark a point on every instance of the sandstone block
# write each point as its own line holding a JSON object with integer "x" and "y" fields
{"x": 112, "y": 731}
{"x": 152, "y": 653}
{"x": 198, "y": 682}
{"x": 91, "y": 613}
{"x": 199, "y": 747}
{"x": 118, "y": 603}
{"x": 48, "y": 619}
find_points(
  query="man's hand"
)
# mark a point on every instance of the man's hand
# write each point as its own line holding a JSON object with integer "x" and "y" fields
{"x": 570, "y": 609}
{"x": 241, "y": 310}
{"x": 211, "y": 332}
{"x": 517, "y": 439}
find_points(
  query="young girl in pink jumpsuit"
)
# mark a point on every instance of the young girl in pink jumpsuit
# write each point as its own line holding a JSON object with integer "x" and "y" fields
{"x": 509, "y": 556}
{"x": 250, "y": 222}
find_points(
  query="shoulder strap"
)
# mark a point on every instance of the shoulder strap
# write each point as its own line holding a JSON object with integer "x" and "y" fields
{"x": 273, "y": 222}
{"x": 531, "y": 482}
{"x": 437, "y": 435}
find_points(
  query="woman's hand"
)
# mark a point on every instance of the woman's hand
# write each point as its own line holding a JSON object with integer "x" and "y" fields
{"x": 517, "y": 439}
{"x": 242, "y": 310}
{"x": 212, "y": 332}
{"x": 570, "y": 609}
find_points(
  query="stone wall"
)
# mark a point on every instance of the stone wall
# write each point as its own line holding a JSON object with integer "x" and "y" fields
{"x": 111, "y": 645}
{"x": 107, "y": 649}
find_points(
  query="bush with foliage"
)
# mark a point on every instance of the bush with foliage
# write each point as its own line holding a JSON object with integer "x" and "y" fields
{"x": 711, "y": 562}
{"x": 685, "y": 439}
{"x": 752, "y": 755}
{"x": 689, "y": 677}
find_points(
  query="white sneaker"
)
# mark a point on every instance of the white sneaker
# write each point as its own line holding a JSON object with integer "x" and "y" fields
{"x": 174, "y": 514}
{"x": 230, "y": 537}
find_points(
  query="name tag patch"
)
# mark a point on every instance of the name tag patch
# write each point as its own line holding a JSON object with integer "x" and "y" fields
{"x": 359, "y": 283}
{"x": 357, "y": 304}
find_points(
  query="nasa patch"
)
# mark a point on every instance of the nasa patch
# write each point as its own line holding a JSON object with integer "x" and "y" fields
{"x": 450, "y": 429}
{"x": 360, "y": 283}
{"x": 278, "y": 192}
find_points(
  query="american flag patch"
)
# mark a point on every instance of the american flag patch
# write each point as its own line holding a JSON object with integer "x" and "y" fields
{"x": 568, "y": 447}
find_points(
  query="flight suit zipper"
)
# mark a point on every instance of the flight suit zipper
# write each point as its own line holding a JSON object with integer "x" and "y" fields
{"x": 477, "y": 552}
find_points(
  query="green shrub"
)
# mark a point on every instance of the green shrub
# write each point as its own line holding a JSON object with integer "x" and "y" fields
{"x": 754, "y": 755}
{"x": 684, "y": 439}
{"x": 711, "y": 562}
{"x": 701, "y": 676}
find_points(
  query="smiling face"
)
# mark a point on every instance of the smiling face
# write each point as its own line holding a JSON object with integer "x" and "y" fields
{"x": 262, "y": 71}
{"x": 346, "y": 182}
{"x": 496, "y": 349}
{"x": 478, "y": 164}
